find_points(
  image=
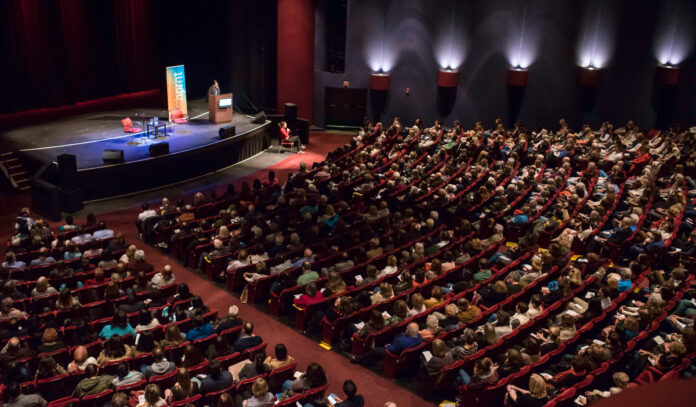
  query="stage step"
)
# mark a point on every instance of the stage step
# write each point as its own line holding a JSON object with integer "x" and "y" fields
{"x": 14, "y": 171}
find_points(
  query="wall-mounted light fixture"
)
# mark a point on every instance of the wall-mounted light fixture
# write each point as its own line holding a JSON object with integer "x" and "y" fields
{"x": 517, "y": 76}
{"x": 589, "y": 75}
{"x": 667, "y": 74}
{"x": 447, "y": 78}
{"x": 380, "y": 81}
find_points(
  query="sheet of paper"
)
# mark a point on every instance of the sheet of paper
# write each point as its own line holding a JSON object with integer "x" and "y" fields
{"x": 359, "y": 325}
{"x": 658, "y": 339}
{"x": 386, "y": 315}
{"x": 427, "y": 355}
{"x": 359, "y": 278}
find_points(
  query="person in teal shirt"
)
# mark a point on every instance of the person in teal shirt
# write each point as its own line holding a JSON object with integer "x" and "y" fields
{"x": 118, "y": 326}
{"x": 484, "y": 272}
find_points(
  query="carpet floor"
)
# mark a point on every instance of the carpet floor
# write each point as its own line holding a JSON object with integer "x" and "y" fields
{"x": 376, "y": 389}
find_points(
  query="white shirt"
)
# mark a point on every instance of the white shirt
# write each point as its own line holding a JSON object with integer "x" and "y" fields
{"x": 146, "y": 214}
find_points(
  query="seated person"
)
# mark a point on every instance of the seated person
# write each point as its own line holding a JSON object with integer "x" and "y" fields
{"x": 536, "y": 396}
{"x": 201, "y": 329}
{"x": 353, "y": 399}
{"x": 125, "y": 376}
{"x": 312, "y": 378}
{"x": 260, "y": 396}
{"x": 13, "y": 397}
{"x": 80, "y": 360}
{"x": 160, "y": 365}
{"x": 92, "y": 383}
{"x": 247, "y": 339}
{"x": 217, "y": 379}
{"x": 164, "y": 277}
{"x": 184, "y": 387}
{"x": 115, "y": 350}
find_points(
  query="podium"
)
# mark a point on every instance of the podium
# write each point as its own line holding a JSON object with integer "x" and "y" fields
{"x": 220, "y": 108}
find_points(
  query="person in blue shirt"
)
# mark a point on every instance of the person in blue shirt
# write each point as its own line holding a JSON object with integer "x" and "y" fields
{"x": 407, "y": 340}
{"x": 12, "y": 263}
{"x": 625, "y": 282}
{"x": 201, "y": 329}
{"x": 118, "y": 326}
{"x": 308, "y": 256}
{"x": 521, "y": 218}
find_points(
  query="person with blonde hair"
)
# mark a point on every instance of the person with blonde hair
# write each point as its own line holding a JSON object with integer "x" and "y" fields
{"x": 417, "y": 305}
{"x": 261, "y": 397}
{"x": 42, "y": 288}
{"x": 441, "y": 358}
{"x": 153, "y": 397}
{"x": 536, "y": 396}
{"x": 385, "y": 293}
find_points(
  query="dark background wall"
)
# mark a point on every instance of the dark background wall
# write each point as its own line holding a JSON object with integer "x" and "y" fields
{"x": 410, "y": 34}
{"x": 59, "y": 52}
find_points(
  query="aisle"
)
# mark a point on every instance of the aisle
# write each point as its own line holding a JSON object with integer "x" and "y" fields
{"x": 376, "y": 389}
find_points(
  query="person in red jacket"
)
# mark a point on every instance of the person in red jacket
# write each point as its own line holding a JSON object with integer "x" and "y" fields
{"x": 286, "y": 137}
{"x": 313, "y": 295}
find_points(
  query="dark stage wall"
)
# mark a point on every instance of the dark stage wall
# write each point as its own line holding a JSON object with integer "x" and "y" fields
{"x": 410, "y": 36}
{"x": 60, "y": 52}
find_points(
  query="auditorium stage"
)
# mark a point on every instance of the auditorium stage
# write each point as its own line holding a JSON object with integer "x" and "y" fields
{"x": 86, "y": 136}
{"x": 195, "y": 149}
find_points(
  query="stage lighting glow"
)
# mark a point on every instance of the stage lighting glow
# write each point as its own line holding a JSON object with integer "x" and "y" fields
{"x": 522, "y": 42}
{"x": 450, "y": 41}
{"x": 449, "y": 56}
{"x": 673, "y": 35}
{"x": 597, "y": 38}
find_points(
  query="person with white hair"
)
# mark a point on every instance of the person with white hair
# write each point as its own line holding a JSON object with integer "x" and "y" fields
{"x": 219, "y": 250}
{"x": 231, "y": 320}
{"x": 139, "y": 264}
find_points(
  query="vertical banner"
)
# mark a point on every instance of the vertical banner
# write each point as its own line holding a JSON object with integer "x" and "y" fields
{"x": 176, "y": 91}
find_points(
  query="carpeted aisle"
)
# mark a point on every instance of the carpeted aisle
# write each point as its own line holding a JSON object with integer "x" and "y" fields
{"x": 376, "y": 389}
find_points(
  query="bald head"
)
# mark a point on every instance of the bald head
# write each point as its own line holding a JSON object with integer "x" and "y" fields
{"x": 389, "y": 404}
{"x": 80, "y": 354}
{"x": 13, "y": 343}
{"x": 412, "y": 329}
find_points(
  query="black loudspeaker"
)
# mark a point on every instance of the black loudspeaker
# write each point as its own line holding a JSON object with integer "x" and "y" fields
{"x": 159, "y": 149}
{"x": 260, "y": 118}
{"x": 112, "y": 156}
{"x": 290, "y": 113}
{"x": 71, "y": 201}
{"x": 228, "y": 131}
{"x": 67, "y": 172}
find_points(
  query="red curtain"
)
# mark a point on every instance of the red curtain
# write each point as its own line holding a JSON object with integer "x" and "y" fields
{"x": 59, "y": 52}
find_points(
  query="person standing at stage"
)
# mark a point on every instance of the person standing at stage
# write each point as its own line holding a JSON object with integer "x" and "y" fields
{"x": 286, "y": 137}
{"x": 214, "y": 89}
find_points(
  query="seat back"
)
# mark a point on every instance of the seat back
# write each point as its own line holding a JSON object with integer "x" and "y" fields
{"x": 276, "y": 377}
{"x": 165, "y": 381}
{"x": 210, "y": 399}
{"x": 251, "y": 352}
{"x": 96, "y": 400}
{"x": 127, "y": 123}
{"x": 229, "y": 360}
{"x": 57, "y": 387}
{"x": 196, "y": 400}
{"x": 315, "y": 393}
{"x": 231, "y": 335}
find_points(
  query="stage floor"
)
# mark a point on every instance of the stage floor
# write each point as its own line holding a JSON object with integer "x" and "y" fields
{"x": 86, "y": 136}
